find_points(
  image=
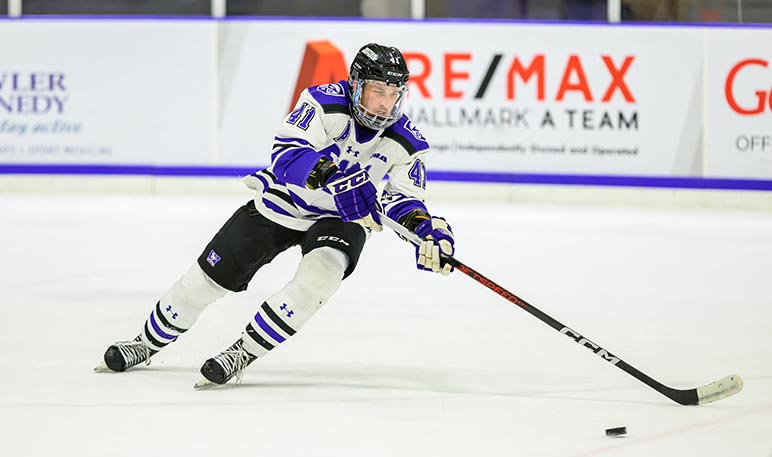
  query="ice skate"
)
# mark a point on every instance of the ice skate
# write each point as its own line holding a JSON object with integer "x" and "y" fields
{"x": 225, "y": 366}
{"x": 125, "y": 354}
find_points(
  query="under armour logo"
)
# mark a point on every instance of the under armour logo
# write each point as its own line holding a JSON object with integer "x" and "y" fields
{"x": 283, "y": 307}
{"x": 169, "y": 309}
{"x": 350, "y": 150}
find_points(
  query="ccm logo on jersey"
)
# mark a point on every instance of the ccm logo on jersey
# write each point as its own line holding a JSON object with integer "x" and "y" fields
{"x": 350, "y": 182}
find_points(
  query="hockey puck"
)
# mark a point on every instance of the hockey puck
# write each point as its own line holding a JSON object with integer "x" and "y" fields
{"x": 618, "y": 431}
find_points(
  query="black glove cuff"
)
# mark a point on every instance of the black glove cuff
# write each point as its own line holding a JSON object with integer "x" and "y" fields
{"x": 321, "y": 172}
{"x": 413, "y": 219}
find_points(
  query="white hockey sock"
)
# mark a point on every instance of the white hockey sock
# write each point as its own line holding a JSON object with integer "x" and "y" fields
{"x": 319, "y": 275}
{"x": 179, "y": 307}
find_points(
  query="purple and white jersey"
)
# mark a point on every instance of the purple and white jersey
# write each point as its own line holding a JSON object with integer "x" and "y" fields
{"x": 321, "y": 125}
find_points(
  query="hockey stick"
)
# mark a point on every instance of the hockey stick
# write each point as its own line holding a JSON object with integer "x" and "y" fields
{"x": 708, "y": 393}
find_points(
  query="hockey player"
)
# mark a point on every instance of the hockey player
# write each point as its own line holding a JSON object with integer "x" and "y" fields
{"x": 320, "y": 193}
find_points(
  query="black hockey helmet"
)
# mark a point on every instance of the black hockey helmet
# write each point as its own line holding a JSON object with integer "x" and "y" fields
{"x": 383, "y": 64}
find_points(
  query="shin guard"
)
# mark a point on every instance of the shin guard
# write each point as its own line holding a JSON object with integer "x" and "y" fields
{"x": 318, "y": 277}
{"x": 179, "y": 307}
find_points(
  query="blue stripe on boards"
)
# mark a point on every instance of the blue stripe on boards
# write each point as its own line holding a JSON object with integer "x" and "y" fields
{"x": 268, "y": 329}
{"x": 603, "y": 180}
{"x": 440, "y": 175}
{"x": 129, "y": 170}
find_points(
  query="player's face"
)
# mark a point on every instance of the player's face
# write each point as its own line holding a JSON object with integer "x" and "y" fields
{"x": 380, "y": 98}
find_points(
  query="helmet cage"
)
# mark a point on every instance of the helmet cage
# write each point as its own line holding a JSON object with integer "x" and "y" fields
{"x": 369, "y": 118}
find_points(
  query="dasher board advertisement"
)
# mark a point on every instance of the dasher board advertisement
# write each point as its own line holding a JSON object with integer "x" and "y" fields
{"x": 489, "y": 97}
{"x": 739, "y": 94}
{"x": 107, "y": 92}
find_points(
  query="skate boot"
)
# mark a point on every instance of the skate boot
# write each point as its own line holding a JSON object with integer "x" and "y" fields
{"x": 125, "y": 354}
{"x": 225, "y": 366}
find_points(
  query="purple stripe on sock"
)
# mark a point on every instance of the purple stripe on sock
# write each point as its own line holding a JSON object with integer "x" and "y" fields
{"x": 267, "y": 329}
{"x": 157, "y": 328}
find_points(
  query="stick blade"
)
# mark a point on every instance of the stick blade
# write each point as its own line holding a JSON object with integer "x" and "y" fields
{"x": 719, "y": 390}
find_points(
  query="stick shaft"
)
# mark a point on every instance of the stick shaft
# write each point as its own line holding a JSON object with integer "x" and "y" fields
{"x": 683, "y": 397}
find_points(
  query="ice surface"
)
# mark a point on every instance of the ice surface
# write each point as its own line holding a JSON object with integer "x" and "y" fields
{"x": 400, "y": 362}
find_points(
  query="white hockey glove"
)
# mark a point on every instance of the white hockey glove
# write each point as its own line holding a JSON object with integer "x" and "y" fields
{"x": 437, "y": 243}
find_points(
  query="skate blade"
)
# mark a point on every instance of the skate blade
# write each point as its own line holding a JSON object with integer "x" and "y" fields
{"x": 203, "y": 384}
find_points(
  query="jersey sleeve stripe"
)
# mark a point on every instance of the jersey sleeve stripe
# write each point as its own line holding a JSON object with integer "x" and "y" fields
{"x": 276, "y": 152}
{"x": 294, "y": 150}
{"x": 276, "y": 208}
{"x": 394, "y": 199}
{"x": 281, "y": 195}
{"x": 299, "y": 202}
{"x": 292, "y": 140}
{"x": 262, "y": 180}
{"x": 401, "y": 140}
{"x": 336, "y": 108}
{"x": 404, "y": 207}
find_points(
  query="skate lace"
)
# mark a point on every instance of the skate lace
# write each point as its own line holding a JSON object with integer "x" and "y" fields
{"x": 234, "y": 361}
{"x": 134, "y": 352}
